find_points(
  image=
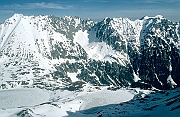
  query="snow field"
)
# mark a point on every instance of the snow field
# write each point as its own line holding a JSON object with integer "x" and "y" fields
{"x": 89, "y": 103}
{"x": 57, "y": 103}
{"x": 104, "y": 97}
{"x": 22, "y": 98}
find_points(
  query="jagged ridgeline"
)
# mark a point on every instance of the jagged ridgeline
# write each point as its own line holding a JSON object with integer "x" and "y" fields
{"x": 66, "y": 53}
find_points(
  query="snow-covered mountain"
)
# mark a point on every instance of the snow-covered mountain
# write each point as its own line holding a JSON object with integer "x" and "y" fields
{"x": 67, "y": 66}
{"x": 65, "y": 53}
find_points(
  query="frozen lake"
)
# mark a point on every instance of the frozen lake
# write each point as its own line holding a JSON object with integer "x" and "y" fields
{"x": 104, "y": 97}
{"x": 22, "y": 97}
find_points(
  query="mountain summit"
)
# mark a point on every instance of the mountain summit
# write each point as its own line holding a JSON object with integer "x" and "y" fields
{"x": 65, "y": 53}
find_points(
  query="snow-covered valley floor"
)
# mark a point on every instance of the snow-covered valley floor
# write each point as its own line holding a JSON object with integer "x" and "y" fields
{"x": 22, "y": 97}
{"x": 91, "y": 102}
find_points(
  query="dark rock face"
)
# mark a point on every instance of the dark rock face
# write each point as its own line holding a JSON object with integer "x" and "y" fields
{"x": 159, "y": 55}
{"x": 97, "y": 73}
{"x": 175, "y": 61}
{"x": 141, "y": 85}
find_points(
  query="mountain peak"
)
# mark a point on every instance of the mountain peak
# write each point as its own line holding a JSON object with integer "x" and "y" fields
{"x": 148, "y": 17}
{"x": 17, "y": 15}
{"x": 159, "y": 16}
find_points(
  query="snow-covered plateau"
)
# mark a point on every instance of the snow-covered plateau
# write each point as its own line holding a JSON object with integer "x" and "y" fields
{"x": 69, "y": 67}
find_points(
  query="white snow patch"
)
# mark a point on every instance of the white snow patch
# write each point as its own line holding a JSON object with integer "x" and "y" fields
{"x": 81, "y": 38}
{"x": 171, "y": 81}
{"x": 136, "y": 77}
{"x": 73, "y": 76}
{"x": 98, "y": 50}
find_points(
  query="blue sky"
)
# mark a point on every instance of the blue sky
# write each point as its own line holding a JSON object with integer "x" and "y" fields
{"x": 94, "y": 9}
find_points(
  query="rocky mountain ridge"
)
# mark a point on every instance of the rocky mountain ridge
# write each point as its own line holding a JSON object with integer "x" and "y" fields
{"x": 65, "y": 53}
